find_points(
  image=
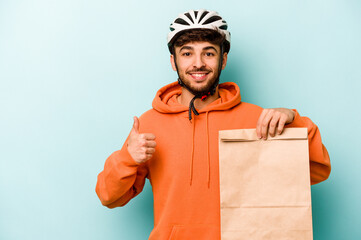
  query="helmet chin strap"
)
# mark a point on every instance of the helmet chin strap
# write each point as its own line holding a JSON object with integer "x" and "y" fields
{"x": 202, "y": 95}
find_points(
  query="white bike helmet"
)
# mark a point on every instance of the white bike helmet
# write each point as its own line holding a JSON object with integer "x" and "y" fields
{"x": 198, "y": 19}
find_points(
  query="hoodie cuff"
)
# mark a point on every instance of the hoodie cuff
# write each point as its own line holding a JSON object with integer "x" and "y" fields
{"x": 128, "y": 160}
{"x": 297, "y": 120}
{"x": 125, "y": 157}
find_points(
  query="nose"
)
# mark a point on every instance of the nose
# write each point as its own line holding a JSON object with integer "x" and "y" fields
{"x": 198, "y": 61}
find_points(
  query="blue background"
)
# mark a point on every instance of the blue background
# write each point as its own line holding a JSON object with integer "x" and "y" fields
{"x": 74, "y": 72}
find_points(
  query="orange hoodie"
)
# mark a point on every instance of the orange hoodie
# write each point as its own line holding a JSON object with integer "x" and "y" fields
{"x": 184, "y": 171}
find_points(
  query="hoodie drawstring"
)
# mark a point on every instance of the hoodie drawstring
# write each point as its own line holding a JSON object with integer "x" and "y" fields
{"x": 192, "y": 153}
{"x": 208, "y": 157}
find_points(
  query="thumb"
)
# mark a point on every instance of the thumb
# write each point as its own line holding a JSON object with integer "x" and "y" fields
{"x": 135, "y": 128}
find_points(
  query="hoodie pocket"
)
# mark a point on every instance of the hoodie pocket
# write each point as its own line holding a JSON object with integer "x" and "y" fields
{"x": 199, "y": 232}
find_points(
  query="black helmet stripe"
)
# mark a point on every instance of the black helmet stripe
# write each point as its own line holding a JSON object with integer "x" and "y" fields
{"x": 181, "y": 21}
{"x": 189, "y": 16}
{"x": 212, "y": 19}
{"x": 203, "y": 15}
{"x": 223, "y": 27}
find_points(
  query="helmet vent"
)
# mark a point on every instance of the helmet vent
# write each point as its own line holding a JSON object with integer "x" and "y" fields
{"x": 195, "y": 13}
{"x": 223, "y": 27}
{"x": 203, "y": 15}
{"x": 189, "y": 16}
{"x": 212, "y": 19}
{"x": 181, "y": 21}
{"x": 172, "y": 29}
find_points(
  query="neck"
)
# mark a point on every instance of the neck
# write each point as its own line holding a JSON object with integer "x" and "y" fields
{"x": 187, "y": 96}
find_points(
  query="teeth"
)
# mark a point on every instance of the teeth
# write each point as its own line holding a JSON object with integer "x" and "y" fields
{"x": 198, "y": 75}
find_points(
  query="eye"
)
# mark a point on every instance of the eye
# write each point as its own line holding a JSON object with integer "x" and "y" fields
{"x": 187, "y": 54}
{"x": 210, "y": 54}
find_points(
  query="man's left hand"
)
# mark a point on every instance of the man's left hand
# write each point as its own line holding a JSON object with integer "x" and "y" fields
{"x": 271, "y": 119}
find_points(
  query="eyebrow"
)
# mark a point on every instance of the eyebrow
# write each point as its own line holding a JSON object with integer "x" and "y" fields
{"x": 185, "y": 47}
{"x": 210, "y": 47}
{"x": 191, "y": 48}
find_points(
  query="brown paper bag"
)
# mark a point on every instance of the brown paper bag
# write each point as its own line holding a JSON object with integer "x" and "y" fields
{"x": 265, "y": 185}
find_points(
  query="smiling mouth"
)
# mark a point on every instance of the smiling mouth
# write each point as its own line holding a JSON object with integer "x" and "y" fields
{"x": 199, "y": 76}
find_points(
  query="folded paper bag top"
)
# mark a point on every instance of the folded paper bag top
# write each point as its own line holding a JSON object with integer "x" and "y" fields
{"x": 251, "y": 135}
{"x": 265, "y": 185}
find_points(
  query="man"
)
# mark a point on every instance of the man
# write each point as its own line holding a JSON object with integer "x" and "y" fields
{"x": 175, "y": 144}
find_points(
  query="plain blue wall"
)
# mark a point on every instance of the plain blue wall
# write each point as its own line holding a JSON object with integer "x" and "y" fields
{"x": 73, "y": 73}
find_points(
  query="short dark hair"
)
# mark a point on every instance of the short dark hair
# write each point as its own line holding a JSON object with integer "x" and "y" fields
{"x": 198, "y": 35}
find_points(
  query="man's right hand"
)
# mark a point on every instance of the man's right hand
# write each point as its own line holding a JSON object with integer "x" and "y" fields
{"x": 141, "y": 146}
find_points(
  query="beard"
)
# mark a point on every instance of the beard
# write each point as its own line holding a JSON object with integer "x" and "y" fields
{"x": 201, "y": 90}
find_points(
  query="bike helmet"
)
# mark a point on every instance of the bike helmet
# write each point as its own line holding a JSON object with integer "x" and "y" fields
{"x": 198, "y": 19}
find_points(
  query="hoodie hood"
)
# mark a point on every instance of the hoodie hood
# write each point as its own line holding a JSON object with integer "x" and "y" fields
{"x": 166, "y": 101}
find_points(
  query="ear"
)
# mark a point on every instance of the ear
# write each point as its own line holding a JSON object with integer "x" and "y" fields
{"x": 224, "y": 63}
{"x": 172, "y": 59}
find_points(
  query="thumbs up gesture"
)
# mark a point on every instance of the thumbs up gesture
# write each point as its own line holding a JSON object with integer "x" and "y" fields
{"x": 141, "y": 146}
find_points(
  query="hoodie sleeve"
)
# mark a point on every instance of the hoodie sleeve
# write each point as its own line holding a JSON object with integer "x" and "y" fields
{"x": 320, "y": 166}
{"x": 121, "y": 180}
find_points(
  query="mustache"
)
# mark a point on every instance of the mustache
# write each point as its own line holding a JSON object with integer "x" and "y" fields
{"x": 201, "y": 69}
